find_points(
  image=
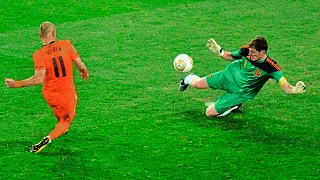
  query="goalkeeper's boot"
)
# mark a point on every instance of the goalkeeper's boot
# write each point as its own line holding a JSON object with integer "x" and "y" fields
{"x": 42, "y": 144}
{"x": 183, "y": 86}
{"x": 231, "y": 109}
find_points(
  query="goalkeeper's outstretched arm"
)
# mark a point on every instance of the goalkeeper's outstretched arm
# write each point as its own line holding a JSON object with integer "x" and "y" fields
{"x": 227, "y": 56}
{"x": 299, "y": 88}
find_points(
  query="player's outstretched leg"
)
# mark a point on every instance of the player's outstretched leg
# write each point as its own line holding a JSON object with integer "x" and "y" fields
{"x": 42, "y": 144}
{"x": 59, "y": 129}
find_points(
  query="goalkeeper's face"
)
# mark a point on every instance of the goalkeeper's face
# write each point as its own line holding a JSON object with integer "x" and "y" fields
{"x": 257, "y": 55}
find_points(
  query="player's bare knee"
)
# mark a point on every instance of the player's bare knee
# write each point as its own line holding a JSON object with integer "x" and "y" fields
{"x": 211, "y": 112}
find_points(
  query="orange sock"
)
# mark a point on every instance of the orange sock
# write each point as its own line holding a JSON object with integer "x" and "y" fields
{"x": 60, "y": 129}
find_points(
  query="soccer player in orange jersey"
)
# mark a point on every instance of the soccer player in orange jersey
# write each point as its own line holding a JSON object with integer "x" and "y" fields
{"x": 53, "y": 67}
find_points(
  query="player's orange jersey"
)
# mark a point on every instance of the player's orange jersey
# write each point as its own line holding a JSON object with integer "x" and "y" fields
{"x": 56, "y": 58}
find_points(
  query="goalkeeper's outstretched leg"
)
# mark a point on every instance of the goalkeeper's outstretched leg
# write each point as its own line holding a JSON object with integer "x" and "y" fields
{"x": 194, "y": 81}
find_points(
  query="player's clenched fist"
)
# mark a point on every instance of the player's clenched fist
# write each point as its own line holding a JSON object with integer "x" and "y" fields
{"x": 12, "y": 83}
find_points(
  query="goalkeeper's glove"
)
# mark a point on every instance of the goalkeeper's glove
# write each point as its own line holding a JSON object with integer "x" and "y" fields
{"x": 299, "y": 88}
{"x": 214, "y": 47}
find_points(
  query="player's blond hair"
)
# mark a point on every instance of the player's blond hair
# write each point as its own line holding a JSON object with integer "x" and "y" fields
{"x": 46, "y": 27}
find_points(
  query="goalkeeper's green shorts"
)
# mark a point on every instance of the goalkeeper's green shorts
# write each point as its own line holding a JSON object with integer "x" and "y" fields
{"x": 229, "y": 98}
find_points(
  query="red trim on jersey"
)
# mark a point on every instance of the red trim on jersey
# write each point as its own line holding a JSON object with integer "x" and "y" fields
{"x": 272, "y": 63}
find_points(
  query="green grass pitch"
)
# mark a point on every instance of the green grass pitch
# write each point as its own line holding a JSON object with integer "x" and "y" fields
{"x": 132, "y": 122}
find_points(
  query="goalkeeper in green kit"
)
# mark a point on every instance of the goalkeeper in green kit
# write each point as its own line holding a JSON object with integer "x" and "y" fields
{"x": 242, "y": 79}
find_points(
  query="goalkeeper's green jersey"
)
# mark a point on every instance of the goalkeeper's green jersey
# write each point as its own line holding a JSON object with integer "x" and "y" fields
{"x": 247, "y": 77}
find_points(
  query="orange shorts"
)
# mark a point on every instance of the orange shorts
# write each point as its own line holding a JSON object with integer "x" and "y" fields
{"x": 64, "y": 107}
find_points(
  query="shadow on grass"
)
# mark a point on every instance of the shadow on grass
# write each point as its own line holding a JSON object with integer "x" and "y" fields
{"x": 56, "y": 152}
{"x": 12, "y": 147}
{"x": 9, "y": 147}
{"x": 225, "y": 123}
{"x": 246, "y": 130}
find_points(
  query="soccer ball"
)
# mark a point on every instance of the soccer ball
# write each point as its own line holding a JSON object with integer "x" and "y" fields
{"x": 183, "y": 63}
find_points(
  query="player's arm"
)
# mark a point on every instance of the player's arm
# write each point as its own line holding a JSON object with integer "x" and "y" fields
{"x": 32, "y": 81}
{"x": 227, "y": 56}
{"x": 81, "y": 68}
{"x": 299, "y": 88}
{"x": 78, "y": 63}
{"x": 216, "y": 49}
